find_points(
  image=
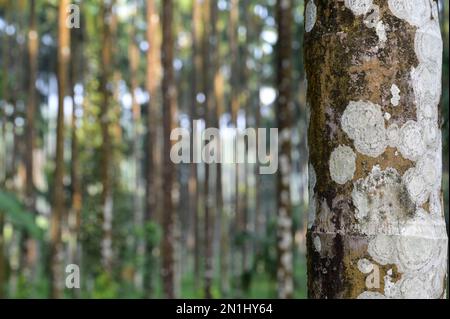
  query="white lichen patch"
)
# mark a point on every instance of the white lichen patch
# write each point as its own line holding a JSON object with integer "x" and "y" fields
{"x": 342, "y": 164}
{"x": 373, "y": 20}
{"x": 395, "y": 91}
{"x": 359, "y": 7}
{"x": 310, "y": 15}
{"x": 419, "y": 251}
{"x": 365, "y": 266}
{"x": 363, "y": 122}
{"x": 426, "y": 82}
{"x": 411, "y": 141}
{"x": 428, "y": 43}
{"x": 422, "y": 179}
{"x": 415, "y": 12}
{"x": 392, "y": 135}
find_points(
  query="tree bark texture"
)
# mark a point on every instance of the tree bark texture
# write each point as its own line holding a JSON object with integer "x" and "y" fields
{"x": 376, "y": 226}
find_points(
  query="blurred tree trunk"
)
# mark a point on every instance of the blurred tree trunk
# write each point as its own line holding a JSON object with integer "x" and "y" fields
{"x": 169, "y": 112}
{"x": 106, "y": 89}
{"x": 76, "y": 78}
{"x": 58, "y": 191}
{"x": 234, "y": 96}
{"x": 284, "y": 120}
{"x": 196, "y": 89}
{"x": 152, "y": 82}
{"x": 29, "y": 244}
{"x": 376, "y": 227}
{"x": 133, "y": 58}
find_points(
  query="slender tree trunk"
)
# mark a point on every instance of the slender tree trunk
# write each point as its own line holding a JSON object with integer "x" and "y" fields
{"x": 169, "y": 110}
{"x": 30, "y": 245}
{"x": 58, "y": 192}
{"x": 152, "y": 83}
{"x": 374, "y": 74}
{"x": 284, "y": 119}
{"x": 196, "y": 89}
{"x": 76, "y": 78}
{"x": 106, "y": 90}
{"x": 234, "y": 109}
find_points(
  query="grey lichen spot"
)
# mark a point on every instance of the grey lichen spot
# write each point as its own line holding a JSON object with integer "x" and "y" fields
{"x": 415, "y": 12}
{"x": 342, "y": 164}
{"x": 312, "y": 198}
{"x": 317, "y": 244}
{"x": 310, "y": 15}
{"x": 363, "y": 122}
{"x": 359, "y": 7}
{"x": 395, "y": 91}
{"x": 381, "y": 200}
{"x": 411, "y": 140}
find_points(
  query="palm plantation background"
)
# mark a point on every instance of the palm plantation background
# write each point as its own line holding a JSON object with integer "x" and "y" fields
{"x": 82, "y": 136}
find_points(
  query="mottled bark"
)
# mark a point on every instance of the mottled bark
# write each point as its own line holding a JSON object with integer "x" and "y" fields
{"x": 284, "y": 121}
{"x": 58, "y": 191}
{"x": 169, "y": 109}
{"x": 376, "y": 227}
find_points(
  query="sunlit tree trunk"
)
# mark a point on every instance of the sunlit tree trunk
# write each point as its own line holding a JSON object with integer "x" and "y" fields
{"x": 76, "y": 78}
{"x": 152, "y": 82}
{"x": 376, "y": 226}
{"x": 58, "y": 191}
{"x": 284, "y": 120}
{"x": 106, "y": 83}
{"x": 169, "y": 112}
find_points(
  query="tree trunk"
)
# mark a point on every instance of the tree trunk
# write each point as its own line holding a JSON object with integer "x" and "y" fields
{"x": 106, "y": 158}
{"x": 58, "y": 192}
{"x": 169, "y": 109}
{"x": 193, "y": 178}
{"x": 152, "y": 82}
{"x": 76, "y": 78}
{"x": 284, "y": 120}
{"x": 376, "y": 226}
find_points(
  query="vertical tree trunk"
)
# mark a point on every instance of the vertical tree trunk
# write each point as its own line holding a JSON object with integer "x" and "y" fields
{"x": 30, "y": 245}
{"x": 193, "y": 178}
{"x": 284, "y": 119}
{"x": 169, "y": 109}
{"x": 374, "y": 72}
{"x": 152, "y": 82}
{"x": 58, "y": 192}
{"x": 106, "y": 158}
{"x": 76, "y": 78}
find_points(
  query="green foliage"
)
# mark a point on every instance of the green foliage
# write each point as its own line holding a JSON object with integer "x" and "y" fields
{"x": 16, "y": 213}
